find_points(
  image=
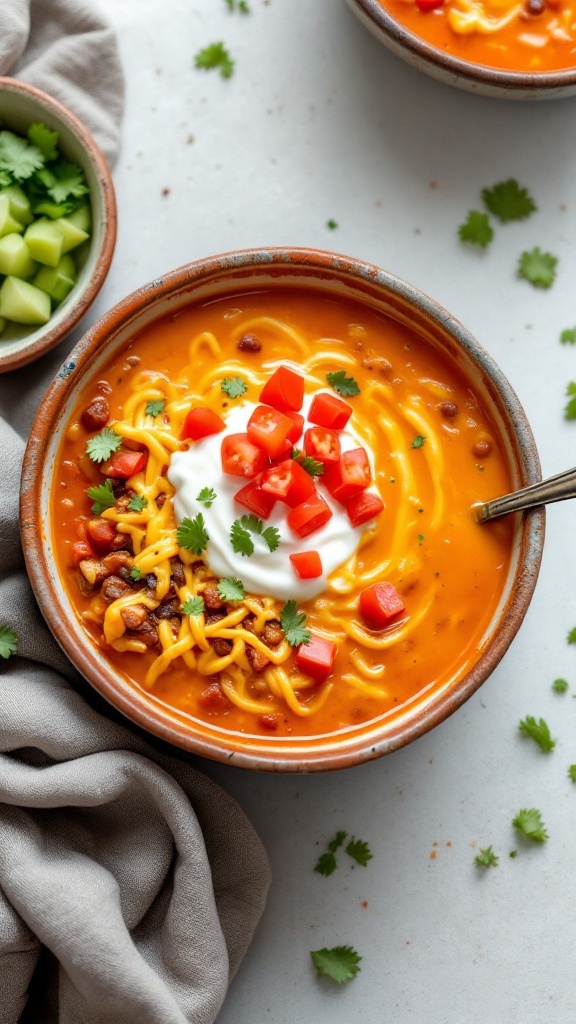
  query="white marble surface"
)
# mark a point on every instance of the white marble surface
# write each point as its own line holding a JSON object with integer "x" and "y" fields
{"x": 319, "y": 121}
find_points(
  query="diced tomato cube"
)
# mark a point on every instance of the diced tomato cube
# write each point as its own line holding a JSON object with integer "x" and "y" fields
{"x": 309, "y": 516}
{"x": 349, "y": 476}
{"x": 214, "y": 700}
{"x": 100, "y": 533}
{"x": 240, "y": 457}
{"x": 379, "y": 604}
{"x": 257, "y": 501}
{"x": 329, "y": 411}
{"x": 298, "y": 425}
{"x": 288, "y": 482}
{"x": 123, "y": 465}
{"x": 316, "y": 658}
{"x": 269, "y": 722}
{"x": 363, "y": 506}
{"x": 307, "y": 565}
{"x": 80, "y": 550}
{"x": 269, "y": 429}
{"x": 322, "y": 444}
{"x": 202, "y": 422}
{"x": 284, "y": 390}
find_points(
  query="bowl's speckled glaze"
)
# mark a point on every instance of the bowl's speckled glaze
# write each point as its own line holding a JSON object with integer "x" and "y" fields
{"x": 20, "y": 106}
{"x": 445, "y": 67}
{"x": 210, "y": 278}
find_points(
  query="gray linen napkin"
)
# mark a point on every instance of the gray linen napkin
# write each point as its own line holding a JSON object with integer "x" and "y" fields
{"x": 130, "y": 884}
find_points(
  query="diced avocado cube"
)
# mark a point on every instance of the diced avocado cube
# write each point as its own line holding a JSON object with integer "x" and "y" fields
{"x": 44, "y": 239}
{"x": 73, "y": 235}
{"x": 23, "y": 303}
{"x": 58, "y": 281}
{"x": 81, "y": 217}
{"x": 15, "y": 257}
{"x": 8, "y": 223}
{"x": 20, "y": 207}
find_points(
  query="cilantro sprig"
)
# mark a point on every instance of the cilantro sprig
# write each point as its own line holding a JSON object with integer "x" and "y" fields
{"x": 138, "y": 503}
{"x": 339, "y": 963}
{"x": 568, "y": 336}
{"x": 191, "y": 534}
{"x": 241, "y": 540}
{"x": 53, "y": 184}
{"x": 193, "y": 606}
{"x": 357, "y": 849}
{"x": 102, "y": 496}
{"x": 207, "y": 496}
{"x": 312, "y": 466}
{"x": 570, "y": 414}
{"x": 155, "y": 407}
{"x": 537, "y": 267}
{"x": 486, "y": 858}
{"x": 103, "y": 445}
{"x": 572, "y": 772}
{"x": 234, "y": 387}
{"x": 507, "y": 201}
{"x": 476, "y": 229}
{"x": 8, "y": 642}
{"x": 530, "y": 823}
{"x": 538, "y": 731}
{"x": 215, "y": 56}
{"x": 231, "y": 590}
{"x": 344, "y": 385}
{"x": 292, "y": 622}
{"x": 560, "y": 685}
{"x": 135, "y": 573}
{"x": 418, "y": 441}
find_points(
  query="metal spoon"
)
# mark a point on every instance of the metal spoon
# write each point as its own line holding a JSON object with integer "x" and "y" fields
{"x": 555, "y": 488}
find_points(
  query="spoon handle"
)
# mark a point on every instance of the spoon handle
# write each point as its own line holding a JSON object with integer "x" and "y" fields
{"x": 555, "y": 488}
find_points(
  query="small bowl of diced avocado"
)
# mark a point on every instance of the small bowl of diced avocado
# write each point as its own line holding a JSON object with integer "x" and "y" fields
{"x": 57, "y": 222}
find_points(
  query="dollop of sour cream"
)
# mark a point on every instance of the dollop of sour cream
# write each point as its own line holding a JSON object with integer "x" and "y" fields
{"x": 264, "y": 572}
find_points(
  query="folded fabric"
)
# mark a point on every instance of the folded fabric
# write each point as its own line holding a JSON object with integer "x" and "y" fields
{"x": 130, "y": 884}
{"x": 69, "y": 50}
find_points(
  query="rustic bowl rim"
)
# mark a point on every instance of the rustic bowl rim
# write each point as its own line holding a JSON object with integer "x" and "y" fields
{"x": 81, "y": 300}
{"x": 235, "y": 269}
{"x": 456, "y": 71}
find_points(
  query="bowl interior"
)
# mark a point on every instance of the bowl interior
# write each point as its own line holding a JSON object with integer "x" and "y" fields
{"x": 252, "y": 271}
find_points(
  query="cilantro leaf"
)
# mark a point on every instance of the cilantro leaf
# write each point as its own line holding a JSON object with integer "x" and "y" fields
{"x": 339, "y": 963}
{"x": 538, "y": 731}
{"x": 326, "y": 864}
{"x": 103, "y": 497}
{"x": 137, "y": 503}
{"x": 44, "y": 139}
{"x": 418, "y": 441}
{"x": 101, "y": 446}
{"x": 240, "y": 539}
{"x": 570, "y": 414}
{"x": 486, "y": 858}
{"x": 191, "y": 534}
{"x": 344, "y": 385}
{"x": 359, "y": 851}
{"x": 8, "y": 642}
{"x": 572, "y": 772}
{"x": 68, "y": 181}
{"x": 476, "y": 229}
{"x": 572, "y": 634}
{"x": 215, "y": 55}
{"x": 292, "y": 622}
{"x": 18, "y": 156}
{"x": 155, "y": 407}
{"x": 560, "y": 685}
{"x": 193, "y": 606}
{"x": 312, "y": 467}
{"x": 568, "y": 337}
{"x": 231, "y": 590}
{"x": 336, "y": 843}
{"x": 538, "y": 267}
{"x": 530, "y": 823}
{"x": 234, "y": 387}
{"x": 206, "y": 496}
{"x": 135, "y": 573}
{"x": 272, "y": 537}
{"x": 508, "y": 201}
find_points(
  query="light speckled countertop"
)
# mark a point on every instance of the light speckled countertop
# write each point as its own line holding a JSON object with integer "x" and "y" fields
{"x": 319, "y": 121}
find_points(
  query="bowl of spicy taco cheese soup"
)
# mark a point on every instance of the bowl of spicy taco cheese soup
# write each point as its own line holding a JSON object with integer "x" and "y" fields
{"x": 512, "y": 49}
{"x": 247, "y": 510}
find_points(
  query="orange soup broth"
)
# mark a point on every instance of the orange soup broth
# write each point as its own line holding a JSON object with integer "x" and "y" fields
{"x": 449, "y": 571}
{"x": 531, "y": 44}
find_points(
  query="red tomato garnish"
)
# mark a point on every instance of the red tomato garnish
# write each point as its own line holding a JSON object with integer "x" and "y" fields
{"x": 268, "y": 722}
{"x": 349, "y": 476}
{"x": 298, "y": 425}
{"x": 307, "y": 564}
{"x": 201, "y": 422}
{"x": 428, "y": 5}
{"x": 100, "y": 533}
{"x": 379, "y": 604}
{"x": 80, "y": 550}
{"x": 257, "y": 501}
{"x": 316, "y": 658}
{"x": 322, "y": 444}
{"x": 123, "y": 465}
{"x": 213, "y": 699}
{"x": 364, "y": 506}
{"x": 309, "y": 516}
{"x": 288, "y": 482}
{"x": 328, "y": 411}
{"x": 269, "y": 429}
{"x": 284, "y": 390}
{"x": 240, "y": 457}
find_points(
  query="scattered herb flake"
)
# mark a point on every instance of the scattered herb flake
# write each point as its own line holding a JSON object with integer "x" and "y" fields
{"x": 102, "y": 445}
{"x": 508, "y": 201}
{"x": 512, "y": 854}
{"x": 539, "y": 268}
{"x": 191, "y": 534}
{"x": 538, "y": 731}
{"x": 206, "y": 496}
{"x": 103, "y": 497}
{"x": 231, "y": 590}
{"x": 234, "y": 387}
{"x": 138, "y": 503}
{"x": 155, "y": 408}
{"x": 560, "y": 685}
{"x": 292, "y": 622}
{"x": 238, "y": 5}
{"x": 332, "y": 224}
{"x": 568, "y": 337}
{"x": 215, "y": 55}
{"x": 311, "y": 466}
{"x": 339, "y": 963}
{"x": 420, "y": 538}
{"x": 572, "y": 772}
{"x": 572, "y": 634}
{"x": 530, "y": 823}
{"x": 326, "y": 864}
{"x": 344, "y": 385}
{"x": 359, "y": 851}
{"x": 135, "y": 573}
{"x": 570, "y": 414}
{"x": 486, "y": 858}
{"x": 418, "y": 441}
{"x": 476, "y": 229}
{"x": 193, "y": 606}
{"x": 8, "y": 642}
{"x": 336, "y": 843}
